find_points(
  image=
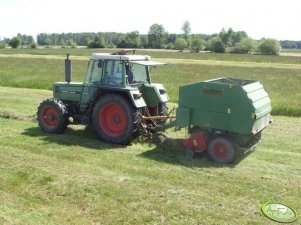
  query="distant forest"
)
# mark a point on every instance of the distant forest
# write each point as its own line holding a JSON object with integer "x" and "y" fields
{"x": 115, "y": 39}
{"x": 291, "y": 44}
{"x": 158, "y": 37}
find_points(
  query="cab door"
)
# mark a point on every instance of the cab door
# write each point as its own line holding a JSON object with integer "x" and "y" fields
{"x": 93, "y": 80}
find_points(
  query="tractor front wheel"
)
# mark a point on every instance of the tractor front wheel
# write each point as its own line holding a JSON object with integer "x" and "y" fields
{"x": 52, "y": 116}
{"x": 222, "y": 150}
{"x": 114, "y": 119}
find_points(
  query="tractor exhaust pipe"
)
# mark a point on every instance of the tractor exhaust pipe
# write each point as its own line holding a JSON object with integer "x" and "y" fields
{"x": 68, "y": 71}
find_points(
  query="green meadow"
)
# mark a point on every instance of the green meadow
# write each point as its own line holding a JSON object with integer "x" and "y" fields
{"x": 74, "y": 178}
{"x": 280, "y": 75}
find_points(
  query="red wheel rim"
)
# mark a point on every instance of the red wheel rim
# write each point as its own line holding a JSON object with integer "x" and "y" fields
{"x": 112, "y": 119}
{"x": 221, "y": 150}
{"x": 50, "y": 117}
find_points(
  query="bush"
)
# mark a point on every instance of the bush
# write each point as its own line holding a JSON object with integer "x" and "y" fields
{"x": 14, "y": 42}
{"x": 170, "y": 46}
{"x": 197, "y": 45}
{"x": 34, "y": 45}
{"x": 180, "y": 44}
{"x": 244, "y": 46}
{"x": 269, "y": 47}
{"x": 216, "y": 45}
{"x": 73, "y": 45}
{"x": 111, "y": 45}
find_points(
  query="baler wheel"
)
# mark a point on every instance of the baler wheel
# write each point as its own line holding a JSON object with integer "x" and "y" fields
{"x": 52, "y": 116}
{"x": 222, "y": 149}
{"x": 114, "y": 119}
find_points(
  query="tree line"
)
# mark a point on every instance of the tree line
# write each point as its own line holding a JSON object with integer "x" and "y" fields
{"x": 157, "y": 38}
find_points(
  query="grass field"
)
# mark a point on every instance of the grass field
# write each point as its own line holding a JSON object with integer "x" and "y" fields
{"x": 74, "y": 178}
{"x": 281, "y": 76}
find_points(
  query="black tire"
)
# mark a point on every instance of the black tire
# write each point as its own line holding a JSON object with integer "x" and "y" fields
{"x": 162, "y": 109}
{"x": 115, "y": 119}
{"x": 222, "y": 150}
{"x": 52, "y": 116}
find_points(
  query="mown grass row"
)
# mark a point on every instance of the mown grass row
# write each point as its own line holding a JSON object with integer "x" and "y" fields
{"x": 281, "y": 82}
{"x": 285, "y": 59}
{"x": 73, "y": 178}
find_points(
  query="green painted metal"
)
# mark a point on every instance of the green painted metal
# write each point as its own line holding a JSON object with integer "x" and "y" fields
{"x": 226, "y": 104}
{"x": 154, "y": 94}
{"x": 183, "y": 117}
{"x": 67, "y": 91}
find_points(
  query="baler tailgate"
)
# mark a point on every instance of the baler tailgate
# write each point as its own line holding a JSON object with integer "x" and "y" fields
{"x": 257, "y": 95}
{"x": 250, "y": 87}
{"x": 262, "y": 107}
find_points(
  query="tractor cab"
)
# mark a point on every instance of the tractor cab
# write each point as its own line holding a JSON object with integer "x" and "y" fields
{"x": 125, "y": 73}
{"x": 119, "y": 70}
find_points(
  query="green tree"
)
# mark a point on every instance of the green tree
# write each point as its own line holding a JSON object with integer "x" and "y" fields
{"x": 216, "y": 45}
{"x": 2, "y": 44}
{"x": 87, "y": 41}
{"x": 238, "y": 36}
{"x": 144, "y": 40}
{"x": 25, "y": 39}
{"x": 132, "y": 40}
{"x": 225, "y": 37}
{"x": 180, "y": 44}
{"x": 230, "y": 38}
{"x": 98, "y": 42}
{"x": 269, "y": 47}
{"x": 197, "y": 44}
{"x": 244, "y": 46}
{"x": 156, "y": 35}
{"x": 186, "y": 28}
{"x": 121, "y": 41}
{"x": 47, "y": 41}
{"x": 14, "y": 42}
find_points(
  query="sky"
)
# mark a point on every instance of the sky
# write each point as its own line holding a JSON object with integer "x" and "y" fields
{"x": 259, "y": 18}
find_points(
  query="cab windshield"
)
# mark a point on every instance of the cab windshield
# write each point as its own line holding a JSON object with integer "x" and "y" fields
{"x": 140, "y": 73}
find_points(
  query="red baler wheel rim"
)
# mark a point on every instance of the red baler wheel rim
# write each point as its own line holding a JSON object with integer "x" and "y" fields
{"x": 112, "y": 119}
{"x": 221, "y": 150}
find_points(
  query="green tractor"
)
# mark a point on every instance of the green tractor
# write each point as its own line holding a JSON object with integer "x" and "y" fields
{"x": 116, "y": 94}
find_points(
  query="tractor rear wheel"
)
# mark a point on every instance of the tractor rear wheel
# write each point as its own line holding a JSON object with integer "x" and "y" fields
{"x": 52, "y": 116}
{"x": 115, "y": 120}
{"x": 222, "y": 150}
{"x": 162, "y": 109}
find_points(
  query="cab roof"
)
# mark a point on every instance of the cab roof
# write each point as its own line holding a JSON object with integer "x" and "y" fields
{"x": 120, "y": 57}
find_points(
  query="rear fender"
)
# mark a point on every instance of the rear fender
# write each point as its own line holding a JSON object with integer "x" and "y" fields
{"x": 133, "y": 96}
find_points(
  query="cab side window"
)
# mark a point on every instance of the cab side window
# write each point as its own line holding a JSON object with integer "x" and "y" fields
{"x": 113, "y": 73}
{"x": 95, "y": 71}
